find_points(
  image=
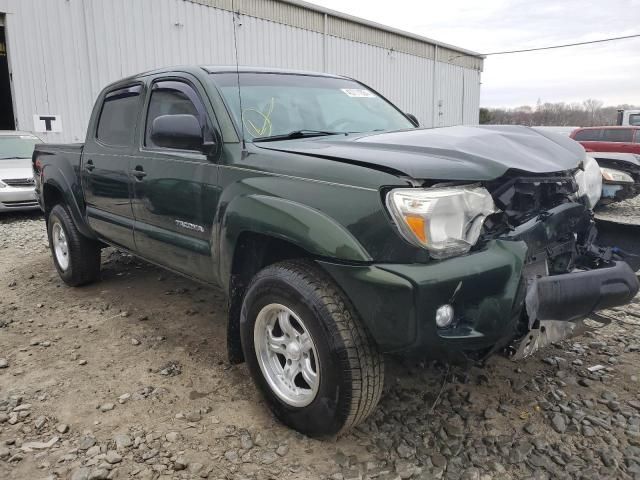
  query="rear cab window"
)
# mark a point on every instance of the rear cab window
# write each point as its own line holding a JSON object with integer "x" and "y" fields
{"x": 119, "y": 116}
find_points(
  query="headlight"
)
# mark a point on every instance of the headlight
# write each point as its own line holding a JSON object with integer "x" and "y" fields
{"x": 446, "y": 221}
{"x": 589, "y": 180}
{"x": 611, "y": 175}
{"x": 2, "y": 184}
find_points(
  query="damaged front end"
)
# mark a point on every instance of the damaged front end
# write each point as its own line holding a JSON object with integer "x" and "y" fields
{"x": 566, "y": 276}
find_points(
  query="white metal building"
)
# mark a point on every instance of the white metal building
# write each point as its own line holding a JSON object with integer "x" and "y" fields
{"x": 59, "y": 54}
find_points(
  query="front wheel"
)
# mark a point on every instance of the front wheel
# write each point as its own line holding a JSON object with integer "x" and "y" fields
{"x": 307, "y": 350}
{"x": 76, "y": 258}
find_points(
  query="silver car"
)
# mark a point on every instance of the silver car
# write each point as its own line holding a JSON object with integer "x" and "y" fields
{"x": 16, "y": 173}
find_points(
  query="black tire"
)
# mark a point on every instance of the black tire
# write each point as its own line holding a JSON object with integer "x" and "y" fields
{"x": 351, "y": 368}
{"x": 83, "y": 253}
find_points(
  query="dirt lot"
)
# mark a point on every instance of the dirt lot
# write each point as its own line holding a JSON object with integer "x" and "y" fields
{"x": 627, "y": 212}
{"x": 128, "y": 378}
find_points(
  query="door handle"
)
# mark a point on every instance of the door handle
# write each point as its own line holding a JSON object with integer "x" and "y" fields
{"x": 89, "y": 166}
{"x": 138, "y": 172}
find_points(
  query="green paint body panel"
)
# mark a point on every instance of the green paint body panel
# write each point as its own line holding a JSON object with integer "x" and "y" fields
{"x": 305, "y": 227}
{"x": 399, "y": 301}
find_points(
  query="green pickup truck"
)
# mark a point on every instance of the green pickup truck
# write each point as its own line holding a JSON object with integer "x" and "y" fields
{"x": 339, "y": 229}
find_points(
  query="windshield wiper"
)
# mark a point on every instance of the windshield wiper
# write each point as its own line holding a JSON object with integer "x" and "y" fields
{"x": 12, "y": 158}
{"x": 298, "y": 134}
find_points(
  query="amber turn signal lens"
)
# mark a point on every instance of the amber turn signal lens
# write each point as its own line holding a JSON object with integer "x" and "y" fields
{"x": 417, "y": 226}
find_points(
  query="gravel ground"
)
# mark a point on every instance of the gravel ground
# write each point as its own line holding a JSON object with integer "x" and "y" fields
{"x": 623, "y": 212}
{"x": 128, "y": 378}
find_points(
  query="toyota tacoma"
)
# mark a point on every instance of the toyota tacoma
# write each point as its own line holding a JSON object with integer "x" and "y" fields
{"x": 339, "y": 229}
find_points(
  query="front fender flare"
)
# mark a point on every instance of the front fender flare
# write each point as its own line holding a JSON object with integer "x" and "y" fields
{"x": 303, "y": 226}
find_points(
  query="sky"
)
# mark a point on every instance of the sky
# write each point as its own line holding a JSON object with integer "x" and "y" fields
{"x": 609, "y": 72}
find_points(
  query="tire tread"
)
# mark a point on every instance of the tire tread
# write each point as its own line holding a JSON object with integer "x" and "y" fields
{"x": 84, "y": 253}
{"x": 362, "y": 362}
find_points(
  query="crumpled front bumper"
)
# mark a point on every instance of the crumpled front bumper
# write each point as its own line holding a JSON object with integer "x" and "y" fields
{"x": 398, "y": 302}
{"x": 573, "y": 296}
{"x": 491, "y": 291}
{"x": 556, "y": 305}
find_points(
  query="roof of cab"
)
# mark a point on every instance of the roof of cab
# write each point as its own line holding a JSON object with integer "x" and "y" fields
{"x": 249, "y": 69}
{"x": 209, "y": 69}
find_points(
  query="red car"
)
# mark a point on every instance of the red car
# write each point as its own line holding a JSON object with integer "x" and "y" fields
{"x": 609, "y": 139}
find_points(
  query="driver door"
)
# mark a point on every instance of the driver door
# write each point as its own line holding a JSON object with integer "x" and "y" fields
{"x": 175, "y": 191}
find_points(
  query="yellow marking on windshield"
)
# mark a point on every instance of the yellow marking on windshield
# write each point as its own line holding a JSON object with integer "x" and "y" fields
{"x": 267, "y": 125}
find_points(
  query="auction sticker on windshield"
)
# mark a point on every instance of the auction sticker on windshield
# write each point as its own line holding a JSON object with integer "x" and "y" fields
{"x": 358, "y": 92}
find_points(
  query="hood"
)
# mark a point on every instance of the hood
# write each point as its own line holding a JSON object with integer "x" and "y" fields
{"x": 16, "y": 168}
{"x": 451, "y": 153}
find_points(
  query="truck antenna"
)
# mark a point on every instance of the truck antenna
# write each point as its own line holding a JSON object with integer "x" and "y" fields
{"x": 236, "y": 18}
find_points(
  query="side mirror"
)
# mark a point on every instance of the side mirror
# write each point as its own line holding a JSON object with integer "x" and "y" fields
{"x": 182, "y": 132}
{"x": 413, "y": 119}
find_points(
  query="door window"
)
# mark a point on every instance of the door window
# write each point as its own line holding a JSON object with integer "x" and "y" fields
{"x": 634, "y": 119}
{"x": 591, "y": 135}
{"x": 620, "y": 135}
{"x": 172, "y": 98}
{"x": 119, "y": 116}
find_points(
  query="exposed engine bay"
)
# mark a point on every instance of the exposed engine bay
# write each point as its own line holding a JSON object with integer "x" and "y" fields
{"x": 563, "y": 258}
{"x": 558, "y": 245}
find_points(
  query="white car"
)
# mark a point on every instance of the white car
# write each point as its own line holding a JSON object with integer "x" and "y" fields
{"x": 17, "y": 188}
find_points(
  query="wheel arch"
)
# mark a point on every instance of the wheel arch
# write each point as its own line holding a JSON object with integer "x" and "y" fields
{"x": 259, "y": 230}
{"x": 253, "y": 252}
{"x": 299, "y": 225}
{"x": 57, "y": 191}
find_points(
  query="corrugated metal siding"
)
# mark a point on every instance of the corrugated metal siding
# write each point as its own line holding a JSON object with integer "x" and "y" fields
{"x": 471, "y": 99}
{"x": 273, "y": 10}
{"x": 83, "y": 45}
{"x": 347, "y": 27}
{"x": 45, "y": 65}
{"x": 449, "y": 96}
{"x": 385, "y": 71}
{"x": 265, "y": 43}
{"x": 457, "y": 95}
{"x": 454, "y": 57}
{"x": 63, "y": 52}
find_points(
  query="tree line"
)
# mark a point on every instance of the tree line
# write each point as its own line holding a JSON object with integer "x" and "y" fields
{"x": 588, "y": 113}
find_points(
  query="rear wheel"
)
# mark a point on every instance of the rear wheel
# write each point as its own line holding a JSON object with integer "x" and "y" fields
{"x": 76, "y": 257}
{"x": 307, "y": 350}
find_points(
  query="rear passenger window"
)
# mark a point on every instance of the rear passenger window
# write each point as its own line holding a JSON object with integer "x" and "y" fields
{"x": 623, "y": 135}
{"x": 119, "y": 116}
{"x": 592, "y": 135}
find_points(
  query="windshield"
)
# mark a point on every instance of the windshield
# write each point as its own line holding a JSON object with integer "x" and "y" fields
{"x": 278, "y": 104}
{"x": 19, "y": 146}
